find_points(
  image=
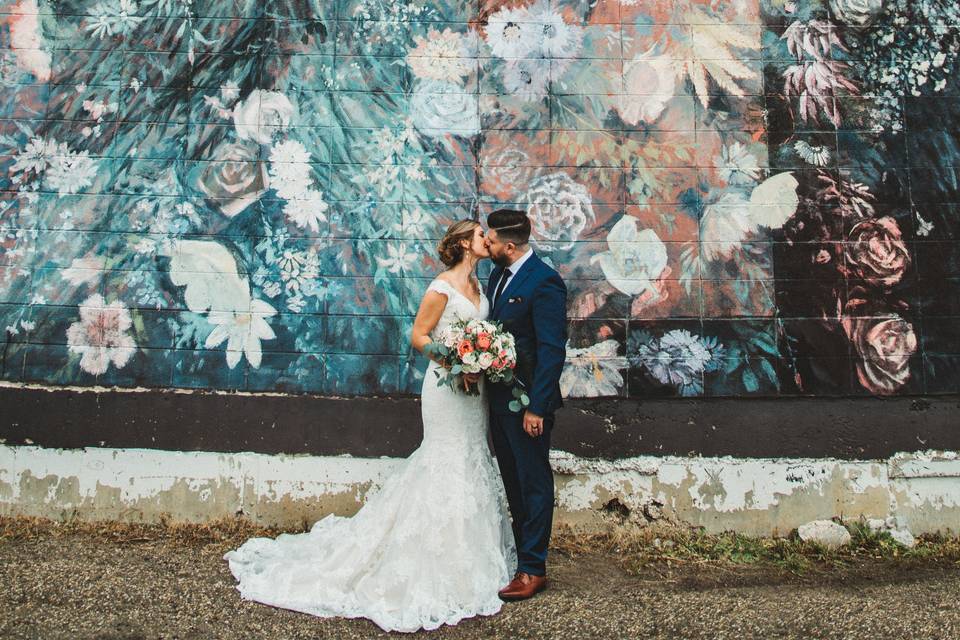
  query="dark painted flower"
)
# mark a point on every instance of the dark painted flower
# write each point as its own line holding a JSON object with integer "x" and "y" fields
{"x": 884, "y": 344}
{"x": 876, "y": 253}
{"x": 235, "y": 178}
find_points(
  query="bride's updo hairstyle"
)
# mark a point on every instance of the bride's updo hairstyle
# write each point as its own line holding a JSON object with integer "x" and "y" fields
{"x": 449, "y": 247}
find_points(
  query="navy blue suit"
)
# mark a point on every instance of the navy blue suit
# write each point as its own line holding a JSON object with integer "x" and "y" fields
{"x": 533, "y": 307}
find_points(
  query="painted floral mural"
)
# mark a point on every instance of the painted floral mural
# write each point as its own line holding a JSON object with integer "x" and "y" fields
{"x": 745, "y": 197}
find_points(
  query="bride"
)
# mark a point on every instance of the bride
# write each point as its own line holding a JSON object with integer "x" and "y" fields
{"x": 433, "y": 544}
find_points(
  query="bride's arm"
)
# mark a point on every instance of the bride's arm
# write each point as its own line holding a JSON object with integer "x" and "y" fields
{"x": 428, "y": 315}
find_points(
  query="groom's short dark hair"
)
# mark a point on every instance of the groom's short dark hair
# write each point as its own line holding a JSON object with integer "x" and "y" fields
{"x": 511, "y": 225}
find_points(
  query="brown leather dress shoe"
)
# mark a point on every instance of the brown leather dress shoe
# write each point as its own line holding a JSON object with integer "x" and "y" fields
{"x": 523, "y": 586}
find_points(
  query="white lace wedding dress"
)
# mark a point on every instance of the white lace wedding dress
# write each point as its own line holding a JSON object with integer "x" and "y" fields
{"x": 431, "y": 546}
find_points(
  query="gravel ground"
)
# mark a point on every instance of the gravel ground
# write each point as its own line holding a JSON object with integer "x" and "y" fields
{"x": 82, "y": 586}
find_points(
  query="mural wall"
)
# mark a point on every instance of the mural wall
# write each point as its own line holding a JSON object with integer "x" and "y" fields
{"x": 745, "y": 198}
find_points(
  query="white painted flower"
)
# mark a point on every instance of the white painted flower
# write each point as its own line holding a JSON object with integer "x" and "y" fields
{"x": 99, "y": 108}
{"x": 298, "y": 266}
{"x": 650, "y": 81}
{"x": 923, "y": 227}
{"x": 413, "y": 223}
{"x": 559, "y": 209}
{"x": 71, "y": 172}
{"x": 857, "y": 13}
{"x": 727, "y": 221}
{"x": 556, "y": 38}
{"x": 511, "y": 33}
{"x": 439, "y": 107}
{"x": 679, "y": 358}
{"x": 737, "y": 164}
{"x": 440, "y": 56}
{"x": 635, "y": 259}
{"x": 397, "y": 258}
{"x": 100, "y": 336}
{"x": 243, "y": 331}
{"x": 34, "y": 156}
{"x": 289, "y": 168}
{"x": 593, "y": 371}
{"x": 307, "y": 210}
{"x": 260, "y": 114}
{"x": 528, "y": 78}
{"x": 818, "y": 156}
{"x": 229, "y": 91}
{"x": 113, "y": 17}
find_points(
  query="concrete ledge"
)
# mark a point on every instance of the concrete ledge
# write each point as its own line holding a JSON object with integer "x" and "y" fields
{"x": 750, "y": 495}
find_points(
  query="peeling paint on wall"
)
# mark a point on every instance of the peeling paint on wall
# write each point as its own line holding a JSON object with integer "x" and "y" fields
{"x": 757, "y": 497}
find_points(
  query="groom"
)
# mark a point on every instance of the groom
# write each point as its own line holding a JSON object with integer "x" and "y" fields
{"x": 530, "y": 301}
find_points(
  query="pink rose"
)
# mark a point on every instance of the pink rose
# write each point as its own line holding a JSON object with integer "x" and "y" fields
{"x": 885, "y": 343}
{"x": 876, "y": 252}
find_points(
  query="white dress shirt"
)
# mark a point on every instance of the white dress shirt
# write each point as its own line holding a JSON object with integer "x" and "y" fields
{"x": 514, "y": 268}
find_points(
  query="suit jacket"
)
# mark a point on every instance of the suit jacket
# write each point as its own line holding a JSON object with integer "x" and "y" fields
{"x": 533, "y": 307}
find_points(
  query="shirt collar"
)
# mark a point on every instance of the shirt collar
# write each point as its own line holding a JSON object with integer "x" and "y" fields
{"x": 515, "y": 267}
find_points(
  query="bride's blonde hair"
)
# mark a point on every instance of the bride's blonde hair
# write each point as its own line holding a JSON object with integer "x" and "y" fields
{"x": 449, "y": 247}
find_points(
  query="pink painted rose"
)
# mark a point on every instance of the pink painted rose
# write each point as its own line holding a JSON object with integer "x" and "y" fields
{"x": 884, "y": 342}
{"x": 876, "y": 253}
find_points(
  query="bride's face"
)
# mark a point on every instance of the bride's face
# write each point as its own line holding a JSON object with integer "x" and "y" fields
{"x": 478, "y": 243}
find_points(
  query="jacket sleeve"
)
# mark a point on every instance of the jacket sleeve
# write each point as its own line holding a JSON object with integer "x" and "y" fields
{"x": 550, "y": 327}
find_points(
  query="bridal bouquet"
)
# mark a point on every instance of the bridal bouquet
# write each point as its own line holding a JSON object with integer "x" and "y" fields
{"x": 478, "y": 346}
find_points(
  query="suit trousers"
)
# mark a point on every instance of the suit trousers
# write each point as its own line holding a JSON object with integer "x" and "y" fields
{"x": 524, "y": 463}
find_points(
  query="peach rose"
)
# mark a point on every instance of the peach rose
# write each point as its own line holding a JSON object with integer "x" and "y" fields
{"x": 464, "y": 348}
{"x": 483, "y": 340}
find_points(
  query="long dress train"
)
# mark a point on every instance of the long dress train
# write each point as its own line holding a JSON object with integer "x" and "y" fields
{"x": 430, "y": 547}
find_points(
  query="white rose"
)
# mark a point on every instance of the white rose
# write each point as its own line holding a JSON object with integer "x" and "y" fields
{"x": 559, "y": 209}
{"x": 438, "y": 107}
{"x": 636, "y": 259}
{"x": 256, "y": 117}
{"x": 650, "y": 82}
{"x": 470, "y": 358}
{"x": 858, "y": 13}
{"x": 485, "y": 360}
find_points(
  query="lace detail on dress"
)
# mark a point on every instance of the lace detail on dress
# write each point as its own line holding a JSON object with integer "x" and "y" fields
{"x": 431, "y": 546}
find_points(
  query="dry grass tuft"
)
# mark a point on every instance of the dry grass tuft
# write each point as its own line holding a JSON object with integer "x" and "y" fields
{"x": 637, "y": 547}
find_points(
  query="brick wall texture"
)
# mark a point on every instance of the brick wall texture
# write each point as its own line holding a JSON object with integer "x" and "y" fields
{"x": 744, "y": 198}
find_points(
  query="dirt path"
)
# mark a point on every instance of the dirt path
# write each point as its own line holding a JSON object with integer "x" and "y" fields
{"x": 83, "y": 587}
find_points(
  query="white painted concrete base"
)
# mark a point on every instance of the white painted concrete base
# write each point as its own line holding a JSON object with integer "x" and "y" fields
{"x": 752, "y": 496}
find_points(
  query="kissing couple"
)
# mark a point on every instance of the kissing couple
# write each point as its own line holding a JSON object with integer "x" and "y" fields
{"x": 436, "y": 543}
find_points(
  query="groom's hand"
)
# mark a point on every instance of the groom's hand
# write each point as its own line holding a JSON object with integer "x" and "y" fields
{"x": 532, "y": 424}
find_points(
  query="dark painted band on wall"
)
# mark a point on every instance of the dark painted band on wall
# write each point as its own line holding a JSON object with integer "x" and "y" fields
{"x": 848, "y": 428}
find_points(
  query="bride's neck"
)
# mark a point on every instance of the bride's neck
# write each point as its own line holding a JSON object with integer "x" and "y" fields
{"x": 464, "y": 269}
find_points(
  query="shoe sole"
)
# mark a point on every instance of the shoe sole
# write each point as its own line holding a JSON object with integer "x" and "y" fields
{"x": 518, "y": 598}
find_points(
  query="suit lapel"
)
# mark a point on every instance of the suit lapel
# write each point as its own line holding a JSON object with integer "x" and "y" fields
{"x": 525, "y": 270}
